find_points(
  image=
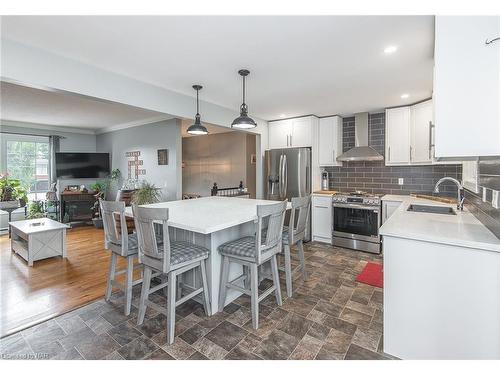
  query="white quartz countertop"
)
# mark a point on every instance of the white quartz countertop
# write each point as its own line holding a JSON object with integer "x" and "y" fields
{"x": 462, "y": 229}
{"x": 210, "y": 214}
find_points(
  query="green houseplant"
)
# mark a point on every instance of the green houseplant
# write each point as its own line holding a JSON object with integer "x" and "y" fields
{"x": 100, "y": 189}
{"x": 36, "y": 210}
{"x": 148, "y": 193}
{"x": 12, "y": 194}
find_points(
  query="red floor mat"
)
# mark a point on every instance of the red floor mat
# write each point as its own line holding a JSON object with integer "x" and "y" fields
{"x": 372, "y": 274}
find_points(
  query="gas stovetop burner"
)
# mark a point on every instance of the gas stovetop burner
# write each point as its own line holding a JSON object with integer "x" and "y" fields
{"x": 357, "y": 197}
{"x": 359, "y": 193}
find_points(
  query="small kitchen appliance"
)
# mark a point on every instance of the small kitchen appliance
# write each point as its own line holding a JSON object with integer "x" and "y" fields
{"x": 324, "y": 180}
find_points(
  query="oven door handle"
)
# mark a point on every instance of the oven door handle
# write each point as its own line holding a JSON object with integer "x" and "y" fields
{"x": 368, "y": 208}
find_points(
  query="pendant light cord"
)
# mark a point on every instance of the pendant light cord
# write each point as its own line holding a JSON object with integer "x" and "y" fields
{"x": 197, "y": 102}
{"x": 244, "y": 90}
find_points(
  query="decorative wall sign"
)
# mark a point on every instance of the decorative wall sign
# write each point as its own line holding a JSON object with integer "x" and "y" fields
{"x": 134, "y": 164}
{"x": 253, "y": 159}
{"x": 163, "y": 157}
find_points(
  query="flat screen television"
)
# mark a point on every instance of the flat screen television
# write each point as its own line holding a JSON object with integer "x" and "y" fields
{"x": 82, "y": 165}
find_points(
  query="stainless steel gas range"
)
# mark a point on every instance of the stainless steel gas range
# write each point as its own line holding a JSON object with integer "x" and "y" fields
{"x": 356, "y": 221}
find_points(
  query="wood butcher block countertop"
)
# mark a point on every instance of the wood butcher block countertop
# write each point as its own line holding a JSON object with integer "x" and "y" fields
{"x": 325, "y": 192}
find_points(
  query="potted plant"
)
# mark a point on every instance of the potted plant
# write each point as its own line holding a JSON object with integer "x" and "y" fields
{"x": 36, "y": 210}
{"x": 147, "y": 193}
{"x": 12, "y": 194}
{"x": 100, "y": 188}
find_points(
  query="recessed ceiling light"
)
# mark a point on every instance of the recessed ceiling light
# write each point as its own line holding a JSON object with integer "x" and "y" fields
{"x": 405, "y": 96}
{"x": 282, "y": 115}
{"x": 390, "y": 49}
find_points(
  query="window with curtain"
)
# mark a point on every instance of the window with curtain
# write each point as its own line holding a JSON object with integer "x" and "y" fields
{"x": 27, "y": 159}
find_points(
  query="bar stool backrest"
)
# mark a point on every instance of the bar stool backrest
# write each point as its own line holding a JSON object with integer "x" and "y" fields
{"x": 274, "y": 214}
{"x": 299, "y": 218}
{"x": 145, "y": 219}
{"x": 117, "y": 238}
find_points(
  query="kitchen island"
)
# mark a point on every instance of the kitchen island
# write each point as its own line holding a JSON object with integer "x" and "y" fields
{"x": 441, "y": 284}
{"x": 210, "y": 222}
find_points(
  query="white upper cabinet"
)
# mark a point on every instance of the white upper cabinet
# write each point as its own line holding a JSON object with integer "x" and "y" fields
{"x": 297, "y": 132}
{"x": 397, "y": 136}
{"x": 329, "y": 140}
{"x": 467, "y": 86}
{"x": 421, "y": 116}
{"x": 302, "y": 132}
{"x": 279, "y": 134}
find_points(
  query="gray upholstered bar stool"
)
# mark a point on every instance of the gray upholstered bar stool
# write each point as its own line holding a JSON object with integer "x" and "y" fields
{"x": 251, "y": 252}
{"x": 299, "y": 219}
{"x": 172, "y": 258}
{"x": 122, "y": 244}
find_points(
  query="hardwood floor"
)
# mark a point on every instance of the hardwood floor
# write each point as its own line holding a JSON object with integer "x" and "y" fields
{"x": 30, "y": 295}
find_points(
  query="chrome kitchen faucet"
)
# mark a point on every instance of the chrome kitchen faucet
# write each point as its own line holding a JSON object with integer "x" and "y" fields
{"x": 460, "y": 191}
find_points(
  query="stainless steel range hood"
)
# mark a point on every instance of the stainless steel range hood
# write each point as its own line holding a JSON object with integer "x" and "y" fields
{"x": 361, "y": 151}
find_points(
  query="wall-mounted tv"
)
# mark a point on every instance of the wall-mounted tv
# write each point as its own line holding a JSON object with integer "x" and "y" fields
{"x": 82, "y": 165}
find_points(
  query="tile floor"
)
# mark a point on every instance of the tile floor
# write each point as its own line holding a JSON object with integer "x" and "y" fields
{"x": 331, "y": 316}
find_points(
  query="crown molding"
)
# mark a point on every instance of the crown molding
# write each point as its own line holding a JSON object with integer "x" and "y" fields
{"x": 133, "y": 124}
{"x": 55, "y": 128}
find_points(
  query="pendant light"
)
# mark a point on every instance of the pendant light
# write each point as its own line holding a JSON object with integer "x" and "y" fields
{"x": 243, "y": 121}
{"x": 197, "y": 128}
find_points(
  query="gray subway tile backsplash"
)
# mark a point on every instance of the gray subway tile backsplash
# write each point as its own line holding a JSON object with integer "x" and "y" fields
{"x": 376, "y": 178}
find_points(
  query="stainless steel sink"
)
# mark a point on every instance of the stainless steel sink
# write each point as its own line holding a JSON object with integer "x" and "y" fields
{"x": 431, "y": 209}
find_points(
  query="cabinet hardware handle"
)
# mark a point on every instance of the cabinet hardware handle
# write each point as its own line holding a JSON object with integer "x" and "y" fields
{"x": 411, "y": 153}
{"x": 431, "y": 126}
{"x": 287, "y": 140}
{"x": 389, "y": 152}
{"x": 488, "y": 42}
{"x": 290, "y": 140}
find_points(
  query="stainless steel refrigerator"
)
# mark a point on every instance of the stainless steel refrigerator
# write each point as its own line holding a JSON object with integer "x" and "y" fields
{"x": 288, "y": 175}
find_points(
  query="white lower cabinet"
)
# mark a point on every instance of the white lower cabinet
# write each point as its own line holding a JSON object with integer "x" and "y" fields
{"x": 322, "y": 218}
{"x": 388, "y": 208}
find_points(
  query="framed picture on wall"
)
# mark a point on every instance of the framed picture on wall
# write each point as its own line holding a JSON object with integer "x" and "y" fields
{"x": 163, "y": 157}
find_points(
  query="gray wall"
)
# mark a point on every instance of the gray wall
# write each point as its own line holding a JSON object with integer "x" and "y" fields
{"x": 375, "y": 177}
{"x": 223, "y": 158}
{"x": 71, "y": 142}
{"x": 148, "y": 139}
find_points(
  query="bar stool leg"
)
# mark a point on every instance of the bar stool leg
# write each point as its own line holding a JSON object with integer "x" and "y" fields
{"x": 111, "y": 276}
{"x": 300, "y": 245}
{"x": 129, "y": 276}
{"x": 146, "y": 282}
{"x": 254, "y": 281}
{"x": 223, "y": 282}
{"x": 288, "y": 271}
{"x": 276, "y": 279}
{"x": 206, "y": 297}
{"x": 171, "y": 307}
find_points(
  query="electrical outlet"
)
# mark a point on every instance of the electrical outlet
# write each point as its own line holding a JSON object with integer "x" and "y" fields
{"x": 401, "y": 181}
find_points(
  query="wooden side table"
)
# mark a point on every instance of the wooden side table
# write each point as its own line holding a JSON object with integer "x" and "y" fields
{"x": 38, "y": 239}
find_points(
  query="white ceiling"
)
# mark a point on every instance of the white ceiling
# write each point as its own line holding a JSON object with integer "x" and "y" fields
{"x": 25, "y": 104}
{"x": 299, "y": 65}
